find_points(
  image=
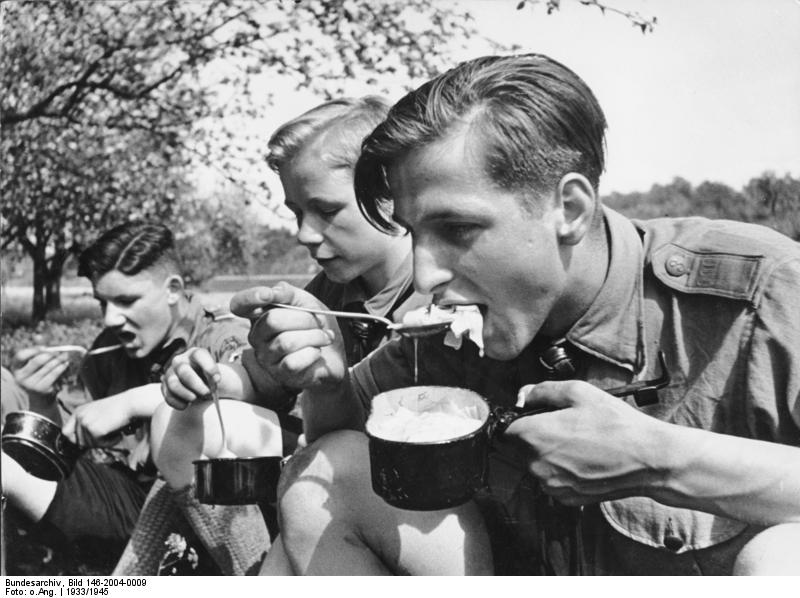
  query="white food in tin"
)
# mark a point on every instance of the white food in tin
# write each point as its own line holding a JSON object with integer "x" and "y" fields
{"x": 423, "y": 417}
{"x": 465, "y": 320}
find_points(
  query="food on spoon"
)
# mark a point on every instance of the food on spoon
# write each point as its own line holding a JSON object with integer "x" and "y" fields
{"x": 428, "y": 314}
{"x": 464, "y": 320}
{"x": 424, "y": 414}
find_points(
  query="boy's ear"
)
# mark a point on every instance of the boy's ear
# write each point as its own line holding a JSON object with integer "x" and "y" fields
{"x": 578, "y": 201}
{"x": 175, "y": 287}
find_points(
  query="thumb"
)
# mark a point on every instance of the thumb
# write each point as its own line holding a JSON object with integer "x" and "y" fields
{"x": 548, "y": 396}
{"x": 23, "y": 356}
{"x": 250, "y": 303}
{"x": 68, "y": 429}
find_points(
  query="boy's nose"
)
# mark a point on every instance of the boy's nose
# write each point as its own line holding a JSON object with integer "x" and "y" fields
{"x": 430, "y": 275}
{"x": 113, "y": 317}
{"x": 308, "y": 234}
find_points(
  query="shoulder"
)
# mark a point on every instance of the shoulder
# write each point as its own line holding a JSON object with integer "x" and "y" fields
{"x": 723, "y": 258}
{"x": 222, "y": 333}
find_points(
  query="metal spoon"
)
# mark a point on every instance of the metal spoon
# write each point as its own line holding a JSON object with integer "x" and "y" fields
{"x": 225, "y": 452}
{"x": 409, "y": 330}
{"x": 82, "y": 350}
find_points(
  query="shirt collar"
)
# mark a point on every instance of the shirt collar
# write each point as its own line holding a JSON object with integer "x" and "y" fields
{"x": 611, "y": 328}
{"x": 380, "y": 303}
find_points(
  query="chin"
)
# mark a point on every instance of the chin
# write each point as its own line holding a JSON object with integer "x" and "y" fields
{"x": 500, "y": 350}
{"x": 339, "y": 277}
{"x": 138, "y": 352}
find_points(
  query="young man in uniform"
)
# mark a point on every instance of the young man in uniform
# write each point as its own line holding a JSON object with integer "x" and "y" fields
{"x": 147, "y": 311}
{"x": 494, "y": 168}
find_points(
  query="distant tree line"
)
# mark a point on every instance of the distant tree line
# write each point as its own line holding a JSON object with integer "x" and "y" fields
{"x": 768, "y": 199}
{"x": 221, "y": 237}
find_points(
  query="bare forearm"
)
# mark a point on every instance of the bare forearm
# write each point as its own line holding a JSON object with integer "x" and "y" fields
{"x": 749, "y": 480}
{"x": 141, "y": 402}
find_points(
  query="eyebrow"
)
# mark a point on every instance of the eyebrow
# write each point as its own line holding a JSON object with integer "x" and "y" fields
{"x": 450, "y": 214}
{"x": 116, "y": 297}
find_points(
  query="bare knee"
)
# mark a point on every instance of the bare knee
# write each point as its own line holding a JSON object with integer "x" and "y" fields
{"x": 775, "y": 551}
{"x": 331, "y": 467}
{"x": 180, "y": 437}
{"x": 333, "y": 459}
{"x": 176, "y": 440}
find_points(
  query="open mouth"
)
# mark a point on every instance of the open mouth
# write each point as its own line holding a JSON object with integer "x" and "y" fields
{"x": 126, "y": 337}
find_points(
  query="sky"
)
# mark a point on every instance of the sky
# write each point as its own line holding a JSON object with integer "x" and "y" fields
{"x": 712, "y": 93}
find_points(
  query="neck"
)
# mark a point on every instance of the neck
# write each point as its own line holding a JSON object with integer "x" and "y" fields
{"x": 377, "y": 278}
{"x": 179, "y": 312}
{"x": 585, "y": 278}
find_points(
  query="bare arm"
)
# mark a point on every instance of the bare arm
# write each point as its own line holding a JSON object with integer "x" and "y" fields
{"x": 93, "y": 422}
{"x": 598, "y": 448}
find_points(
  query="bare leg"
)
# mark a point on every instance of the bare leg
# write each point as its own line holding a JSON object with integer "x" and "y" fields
{"x": 277, "y": 561}
{"x": 333, "y": 524}
{"x": 180, "y": 437}
{"x": 775, "y": 551}
{"x": 31, "y": 495}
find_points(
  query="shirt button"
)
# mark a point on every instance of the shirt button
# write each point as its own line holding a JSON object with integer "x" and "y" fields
{"x": 676, "y": 265}
{"x": 673, "y": 543}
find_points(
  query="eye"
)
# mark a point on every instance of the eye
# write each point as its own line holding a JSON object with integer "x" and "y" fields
{"x": 329, "y": 212}
{"x": 124, "y": 301}
{"x": 459, "y": 233}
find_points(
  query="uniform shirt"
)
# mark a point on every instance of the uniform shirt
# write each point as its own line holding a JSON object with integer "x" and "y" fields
{"x": 107, "y": 374}
{"x": 721, "y": 299}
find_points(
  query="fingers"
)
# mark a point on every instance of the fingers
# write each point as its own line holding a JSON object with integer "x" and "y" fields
{"x": 68, "y": 429}
{"x": 49, "y": 374}
{"x": 557, "y": 395}
{"x": 23, "y": 355}
{"x": 250, "y": 303}
{"x": 253, "y": 302}
{"x": 39, "y": 364}
{"x": 285, "y": 344}
{"x": 190, "y": 377}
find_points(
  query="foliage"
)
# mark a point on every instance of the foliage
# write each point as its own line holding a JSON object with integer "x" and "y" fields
{"x": 106, "y": 104}
{"x": 221, "y": 237}
{"x": 767, "y": 199}
{"x": 646, "y": 24}
{"x": 780, "y": 197}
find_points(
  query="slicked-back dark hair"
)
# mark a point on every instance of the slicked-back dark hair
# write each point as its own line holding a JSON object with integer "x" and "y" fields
{"x": 349, "y": 120}
{"x": 536, "y": 119}
{"x": 128, "y": 248}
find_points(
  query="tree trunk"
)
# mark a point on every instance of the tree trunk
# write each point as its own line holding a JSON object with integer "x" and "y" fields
{"x": 53, "y": 291}
{"x": 39, "y": 284}
{"x": 54, "y": 273}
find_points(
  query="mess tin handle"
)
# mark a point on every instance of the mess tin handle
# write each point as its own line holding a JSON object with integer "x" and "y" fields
{"x": 643, "y": 391}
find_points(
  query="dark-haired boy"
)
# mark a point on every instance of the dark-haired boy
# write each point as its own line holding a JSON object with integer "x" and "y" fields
{"x": 494, "y": 169}
{"x": 146, "y": 310}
